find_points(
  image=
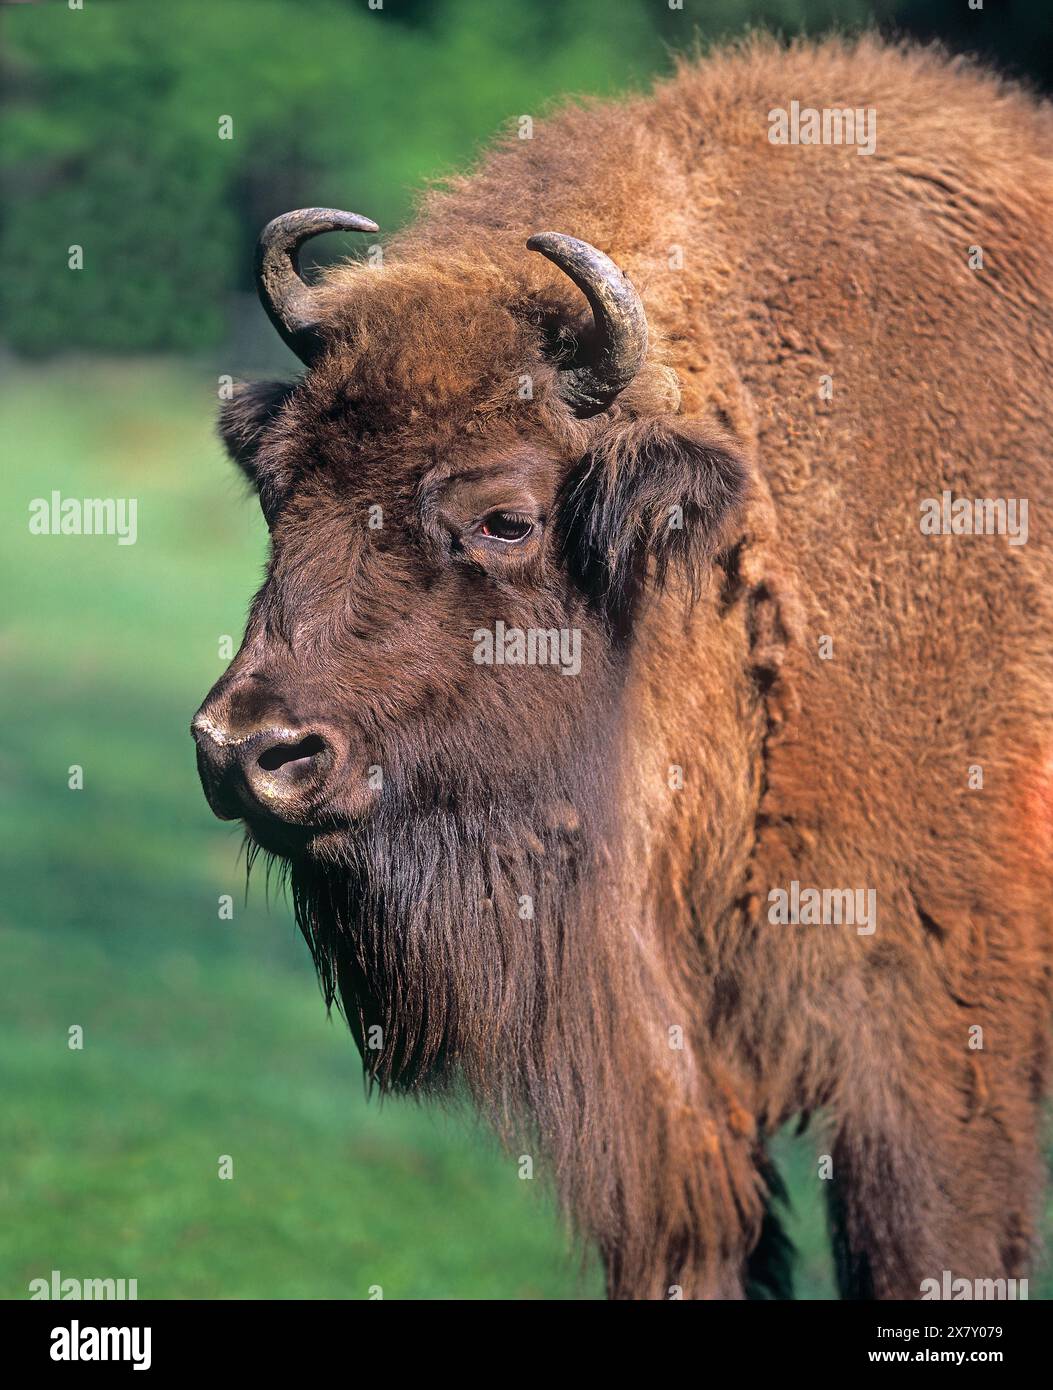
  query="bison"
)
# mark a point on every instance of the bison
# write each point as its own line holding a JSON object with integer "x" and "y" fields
{"x": 650, "y": 692}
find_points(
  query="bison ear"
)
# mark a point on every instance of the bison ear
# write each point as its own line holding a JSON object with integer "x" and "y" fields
{"x": 243, "y": 423}
{"x": 244, "y": 418}
{"x": 651, "y": 495}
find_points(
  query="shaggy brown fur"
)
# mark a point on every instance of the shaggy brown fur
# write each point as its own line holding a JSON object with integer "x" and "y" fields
{"x": 512, "y": 785}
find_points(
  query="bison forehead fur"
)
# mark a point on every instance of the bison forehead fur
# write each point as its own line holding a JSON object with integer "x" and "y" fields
{"x": 756, "y": 676}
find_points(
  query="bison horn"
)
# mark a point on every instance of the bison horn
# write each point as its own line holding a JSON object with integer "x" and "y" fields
{"x": 284, "y": 293}
{"x": 620, "y": 343}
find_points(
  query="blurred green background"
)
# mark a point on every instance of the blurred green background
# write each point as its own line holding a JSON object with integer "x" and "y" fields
{"x": 206, "y": 1037}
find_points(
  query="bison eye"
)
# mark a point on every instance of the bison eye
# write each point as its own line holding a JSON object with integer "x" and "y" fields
{"x": 508, "y": 527}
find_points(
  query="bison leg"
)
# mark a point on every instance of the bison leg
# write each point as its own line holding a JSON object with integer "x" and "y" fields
{"x": 933, "y": 1189}
{"x": 755, "y": 1258}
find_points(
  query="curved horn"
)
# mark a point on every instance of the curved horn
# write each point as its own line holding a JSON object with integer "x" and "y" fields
{"x": 283, "y": 291}
{"x": 620, "y": 343}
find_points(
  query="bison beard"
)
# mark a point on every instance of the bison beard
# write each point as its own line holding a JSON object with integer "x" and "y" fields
{"x": 559, "y": 1028}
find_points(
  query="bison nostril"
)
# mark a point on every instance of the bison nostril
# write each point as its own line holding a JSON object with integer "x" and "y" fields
{"x": 279, "y": 754}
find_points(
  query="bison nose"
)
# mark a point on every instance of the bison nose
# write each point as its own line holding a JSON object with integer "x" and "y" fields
{"x": 280, "y": 764}
{"x": 276, "y": 770}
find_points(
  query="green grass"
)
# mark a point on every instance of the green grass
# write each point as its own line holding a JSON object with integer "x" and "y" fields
{"x": 202, "y": 1037}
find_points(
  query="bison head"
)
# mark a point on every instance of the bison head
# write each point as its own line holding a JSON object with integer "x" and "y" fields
{"x": 466, "y": 494}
